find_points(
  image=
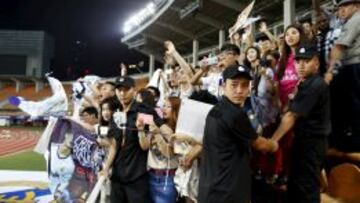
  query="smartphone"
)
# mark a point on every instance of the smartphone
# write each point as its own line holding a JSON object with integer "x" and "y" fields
{"x": 147, "y": 118}
{"x": 209, "y": 61}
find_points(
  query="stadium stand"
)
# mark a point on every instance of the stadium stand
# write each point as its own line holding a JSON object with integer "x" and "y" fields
{"x": 21, "y": 81}
{"x": 10, "y": 114}
{"x": 201, "y": 26}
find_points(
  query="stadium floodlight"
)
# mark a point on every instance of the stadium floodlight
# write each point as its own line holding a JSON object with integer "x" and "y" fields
{"x": 138, "y": 18}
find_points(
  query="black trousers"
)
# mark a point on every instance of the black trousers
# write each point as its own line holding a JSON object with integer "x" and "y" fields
{"x": 345, "y": 109}
{"x": 307, "y": 160}
{"x": 131, "y": 192}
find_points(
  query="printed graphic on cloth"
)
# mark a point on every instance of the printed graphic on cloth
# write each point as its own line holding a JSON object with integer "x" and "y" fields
{"x": 74, "y": 161}
{"x": 24, "y": 186}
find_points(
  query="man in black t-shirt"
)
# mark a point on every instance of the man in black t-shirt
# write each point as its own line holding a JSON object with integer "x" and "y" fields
{"x": 309, "y": 115}
{"x": 129, "y": 180}
{"x": 225, "y": 174}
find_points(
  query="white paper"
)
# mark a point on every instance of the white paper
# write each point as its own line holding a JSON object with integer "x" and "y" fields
{"x": 192, "y": 117}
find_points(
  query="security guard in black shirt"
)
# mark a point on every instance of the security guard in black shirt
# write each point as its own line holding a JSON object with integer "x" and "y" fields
{"x": 309, "y": 116}
{"x": 225, "y": 174}
{"x": 129, "y": 180}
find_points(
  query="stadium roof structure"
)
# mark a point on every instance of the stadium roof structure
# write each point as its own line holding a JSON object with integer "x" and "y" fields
{"x": 197, "y": 27}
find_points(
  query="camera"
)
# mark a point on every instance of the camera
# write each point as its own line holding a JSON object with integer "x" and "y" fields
{"x": 265, "y": 63}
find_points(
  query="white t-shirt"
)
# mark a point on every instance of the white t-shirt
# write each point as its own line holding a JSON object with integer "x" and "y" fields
{"x": 156, "y": 160}
{"x": 184, "y": 94}
{"x": 211, "y": 83}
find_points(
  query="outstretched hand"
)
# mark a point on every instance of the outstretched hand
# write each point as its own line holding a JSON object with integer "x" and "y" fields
{"x": 263, "y": 27}
{"x": 274, "y": 146}
{"x": 328, "y": 77}
{"x": 186, "y": 162}
{"x": 170, "y": 47}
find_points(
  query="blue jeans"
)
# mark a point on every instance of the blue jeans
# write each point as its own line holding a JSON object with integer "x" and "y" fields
{"x": 162, "y": 189}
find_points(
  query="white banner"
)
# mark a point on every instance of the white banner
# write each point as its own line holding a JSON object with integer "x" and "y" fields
{"x": 192, "y": 117}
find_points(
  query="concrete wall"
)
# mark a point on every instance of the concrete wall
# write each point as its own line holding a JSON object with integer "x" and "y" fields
{"x": 38, "y": 47}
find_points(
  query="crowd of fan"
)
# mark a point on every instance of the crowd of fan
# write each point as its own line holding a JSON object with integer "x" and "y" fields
{"x": 287, "y": 86}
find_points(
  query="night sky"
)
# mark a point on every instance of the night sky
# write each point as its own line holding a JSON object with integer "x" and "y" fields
{"x": 97, "y": 24}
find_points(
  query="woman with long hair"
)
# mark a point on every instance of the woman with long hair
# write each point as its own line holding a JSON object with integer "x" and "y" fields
{"x": 286, "y": 73}
{"x": 171, "y": 111}
{"x": 252, "y": 61}
{"x": 287, "y": 80}
{"x": 252, "y": 58}
{"x": 107, "y": 108}
{"x": 162, "y": 163}
{"x": 107, "y": 151}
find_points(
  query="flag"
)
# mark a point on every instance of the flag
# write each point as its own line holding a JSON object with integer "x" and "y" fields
{"x": 74, "y": 161}
{"x": 55, "y": 105}
{"x": 241, "y": 21}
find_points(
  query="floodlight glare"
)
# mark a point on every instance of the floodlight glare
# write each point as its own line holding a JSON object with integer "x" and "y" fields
{"x": 126, "y": 28}
{"x": 151, "y": 8}
{"x": 139, "y": 17}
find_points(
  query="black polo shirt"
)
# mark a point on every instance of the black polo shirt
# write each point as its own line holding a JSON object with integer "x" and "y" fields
{"x": 130, "y": 160}
{"x": 312, "y": 105}
{"x": 225, "y": 174}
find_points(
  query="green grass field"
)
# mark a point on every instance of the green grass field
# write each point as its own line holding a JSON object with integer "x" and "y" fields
{"x": 26, "y": 161}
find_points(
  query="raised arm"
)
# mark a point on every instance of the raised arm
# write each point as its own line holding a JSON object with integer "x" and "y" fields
{"x": 195, "y": 80}
{"x": 263, "y": 28}
{"x": 123, "y": 69}
{"x": 249, "y": 37}
{"x": 144, "y": 141}
{"x": 235, "y": 39}
{"x": 171, "y": 50}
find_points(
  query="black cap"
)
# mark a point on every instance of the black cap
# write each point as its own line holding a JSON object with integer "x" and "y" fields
{"x": 306, "y": 51}
{"x": 234, "y": 71}
{"x": 124, "y": 81}
{"x": 345, "y": 2}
